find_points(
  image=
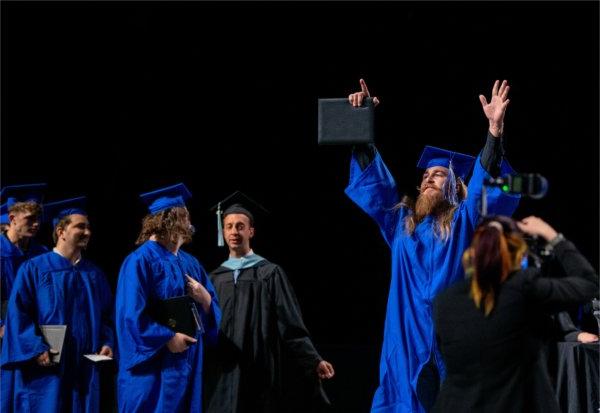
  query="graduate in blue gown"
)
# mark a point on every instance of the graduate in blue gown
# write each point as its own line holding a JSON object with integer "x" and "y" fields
{"x": 21, "y": 214}
{"x": 161, "y": 370}
{"x": 427, "y": 240}
{"x": 20, "y": 217}
{"x": 58, "y": 288}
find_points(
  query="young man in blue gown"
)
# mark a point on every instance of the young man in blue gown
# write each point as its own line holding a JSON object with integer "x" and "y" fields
{"x": 60, "y": 287}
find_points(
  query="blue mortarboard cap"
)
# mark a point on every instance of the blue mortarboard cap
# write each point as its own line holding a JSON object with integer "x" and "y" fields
{"x": 461, "y": 163}
{"x": 4, "y": 214}
{"x": 60, "y": 209}
{"x": 169, "y": 197}
{"x": 12, "y": 194}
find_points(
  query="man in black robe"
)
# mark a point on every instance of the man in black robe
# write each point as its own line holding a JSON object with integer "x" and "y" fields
{"x": 261, "y": 330}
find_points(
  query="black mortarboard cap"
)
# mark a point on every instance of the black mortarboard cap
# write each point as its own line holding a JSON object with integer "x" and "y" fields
{"x": 236, "y": 203}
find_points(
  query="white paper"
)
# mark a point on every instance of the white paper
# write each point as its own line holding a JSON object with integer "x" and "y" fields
{"x": 97, "y": 357}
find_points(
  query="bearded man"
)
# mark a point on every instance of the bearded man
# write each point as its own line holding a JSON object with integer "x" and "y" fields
{"x": 427, "y": 242}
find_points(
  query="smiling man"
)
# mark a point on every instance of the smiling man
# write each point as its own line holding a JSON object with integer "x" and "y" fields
{"x": 58, "y": 288}
{"x": 427, "y": 239}
{"x": 262, "y": 329}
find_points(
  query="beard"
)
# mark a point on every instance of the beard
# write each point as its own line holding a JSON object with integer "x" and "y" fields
{"x": 430, "y": 204}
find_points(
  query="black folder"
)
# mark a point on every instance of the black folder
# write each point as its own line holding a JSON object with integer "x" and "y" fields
{"x": 177, "y": 313}
{"x": 340, "y": 123}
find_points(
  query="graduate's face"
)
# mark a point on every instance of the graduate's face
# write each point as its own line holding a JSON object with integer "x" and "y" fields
{"x": 77, "y": 233}
{"x": 237, "y": 232}
{"x": 433, "y": 181}
{"x": 24, "y": 224}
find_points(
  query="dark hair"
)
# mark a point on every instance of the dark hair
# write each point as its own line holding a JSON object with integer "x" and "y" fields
{"x": 496, "y": 250}
{"x": 62, "y": 224}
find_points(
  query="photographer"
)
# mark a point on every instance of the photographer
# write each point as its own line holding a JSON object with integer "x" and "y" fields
{"x": 486, "y": 325}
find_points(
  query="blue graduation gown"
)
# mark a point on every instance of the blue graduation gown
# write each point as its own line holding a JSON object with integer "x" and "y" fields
{"x": 422, "y": 266}
{"x": 11, "y": 258}
{"x": 50, "y": 290}
{"x": 151, "y": 378}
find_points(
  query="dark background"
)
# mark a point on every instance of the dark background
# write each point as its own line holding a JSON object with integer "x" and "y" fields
{"x": 114, "y": 99}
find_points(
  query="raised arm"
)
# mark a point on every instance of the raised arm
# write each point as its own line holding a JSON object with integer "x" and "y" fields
{"x": 491, "y": 162}
{"x": 581, "y": 280}
{"x": 371, "y": 185}
{"x": 495, "y": 110}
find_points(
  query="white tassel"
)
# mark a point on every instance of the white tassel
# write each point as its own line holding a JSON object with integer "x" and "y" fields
{"x": 220, "y": 241}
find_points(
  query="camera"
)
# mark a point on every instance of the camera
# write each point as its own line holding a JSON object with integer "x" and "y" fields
{"x": 532, "y": 185}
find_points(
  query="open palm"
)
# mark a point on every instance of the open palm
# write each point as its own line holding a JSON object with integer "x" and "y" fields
{"x": 496, "y": 108}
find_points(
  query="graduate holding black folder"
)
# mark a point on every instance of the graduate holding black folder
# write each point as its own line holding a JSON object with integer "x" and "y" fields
{"x": 160, "y": 368}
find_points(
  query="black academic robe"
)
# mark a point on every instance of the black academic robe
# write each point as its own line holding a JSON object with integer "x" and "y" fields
{"x": 261, "y": 332}
{"x": 494, "y": 363}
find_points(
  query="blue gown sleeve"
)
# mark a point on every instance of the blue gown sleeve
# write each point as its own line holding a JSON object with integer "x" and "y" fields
{"x": 498, "y": 202}
{"x": 22, "y": 339}
{"x": 211, "y": 320}
{"x": 139, "y": 336}
{"x": 107, "y": 332}
{"x": 374, "y": 191}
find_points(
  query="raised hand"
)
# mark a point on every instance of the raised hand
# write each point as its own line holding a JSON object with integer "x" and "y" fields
{"x": 537, "y": 227}
{"x": 357, "y": 98}
{"x": 496, "y": 108}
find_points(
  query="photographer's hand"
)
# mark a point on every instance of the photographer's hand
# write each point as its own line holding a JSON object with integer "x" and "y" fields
{"x": 537, "y": 227}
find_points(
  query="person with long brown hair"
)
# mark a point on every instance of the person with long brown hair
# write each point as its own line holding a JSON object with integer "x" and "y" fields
{"x": 426, "y": 239}
{"x": 487, "y": 325}
{"x": 161, "y": 369}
